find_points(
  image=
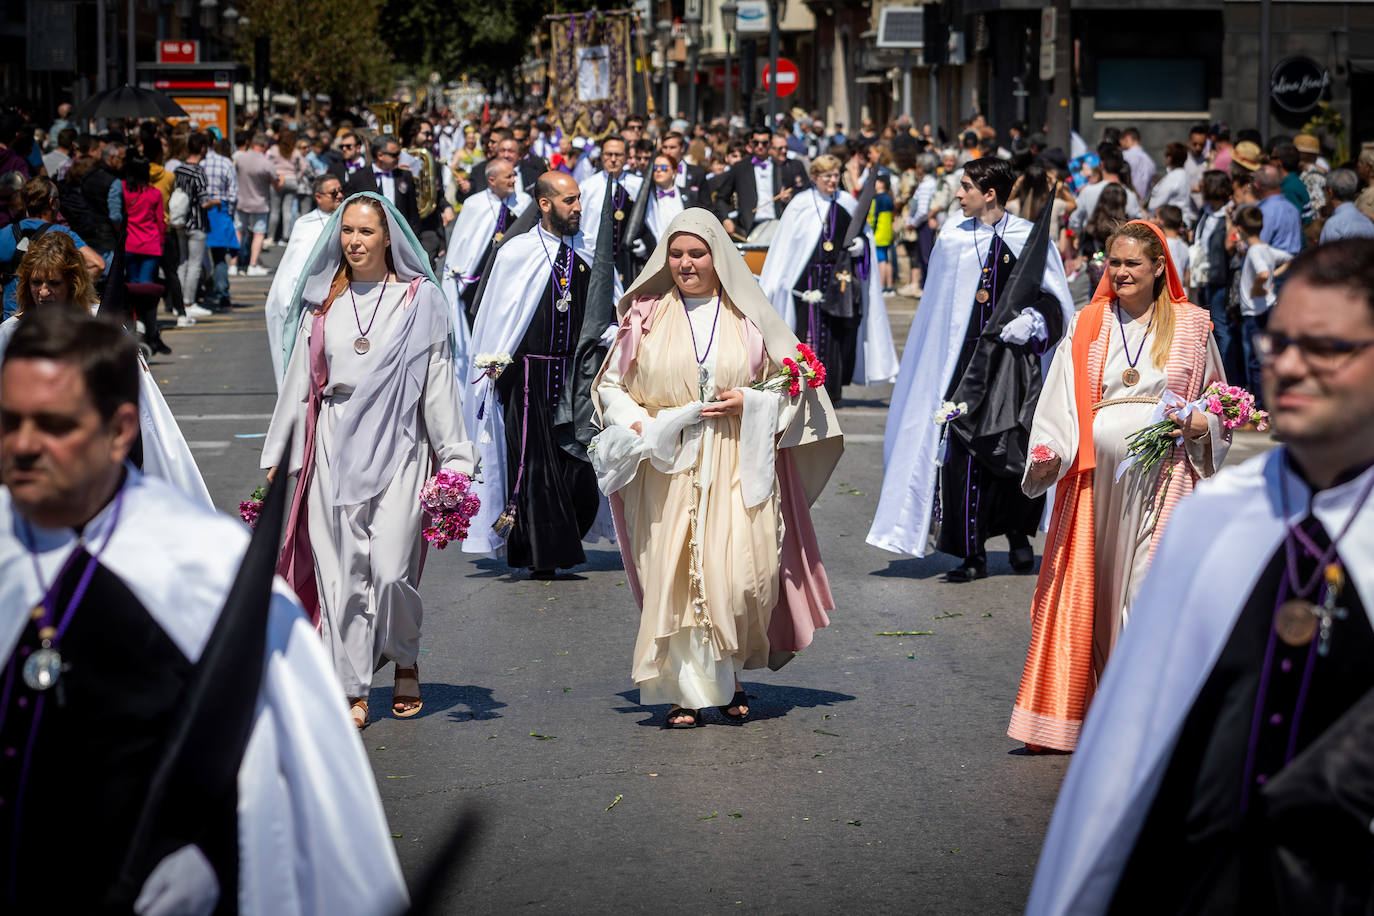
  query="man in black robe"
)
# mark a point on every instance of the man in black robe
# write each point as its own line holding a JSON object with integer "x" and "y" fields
{"x": 109, "y": 604}
{"x": 980, "y": 493}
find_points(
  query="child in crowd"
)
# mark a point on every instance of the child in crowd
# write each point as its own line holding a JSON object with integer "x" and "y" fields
{"x": 1255, "y": 293}
{"x": 1170, "y": 219}
{"x": 880, "y": 214}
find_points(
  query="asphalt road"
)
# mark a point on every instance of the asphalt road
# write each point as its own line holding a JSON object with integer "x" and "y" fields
{"x": 874, "y": 774}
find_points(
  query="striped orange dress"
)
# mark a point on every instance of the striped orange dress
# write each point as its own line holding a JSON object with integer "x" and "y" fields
{"x": 1104, "y": 530}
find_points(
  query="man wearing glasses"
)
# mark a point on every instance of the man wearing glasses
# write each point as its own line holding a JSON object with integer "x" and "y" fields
{"x": 622, "y": 188}
{"x": 353, "y": 160}
{"x": 387, "y": 178}
{"x": 762, "y": 185}
{"x": 1231, "y": 737}
{"x": 328, "y": 194}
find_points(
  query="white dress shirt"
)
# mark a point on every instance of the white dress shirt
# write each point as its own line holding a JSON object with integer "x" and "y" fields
{"x": 763, "y": 183}
{"x": 386, "y": 184}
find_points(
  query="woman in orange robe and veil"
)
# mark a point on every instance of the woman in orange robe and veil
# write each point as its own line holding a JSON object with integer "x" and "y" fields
{"x": 1137, "y": 339}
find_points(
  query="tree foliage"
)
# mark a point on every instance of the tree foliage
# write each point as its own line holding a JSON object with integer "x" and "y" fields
{"x": 483, "y": 40}
{"x": 322, "y": 46}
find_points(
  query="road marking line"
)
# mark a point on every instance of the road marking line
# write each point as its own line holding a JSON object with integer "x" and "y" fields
{"x": 222, "y": 416}
{"x": 208, "y": 443}
{"x": 863, "y": 437}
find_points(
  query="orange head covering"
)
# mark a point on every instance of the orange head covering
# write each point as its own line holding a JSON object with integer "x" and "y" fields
{"x": 1086, "y": 333}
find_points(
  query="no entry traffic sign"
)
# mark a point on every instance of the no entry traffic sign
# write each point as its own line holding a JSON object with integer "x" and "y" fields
{"x": 787, "y": 77}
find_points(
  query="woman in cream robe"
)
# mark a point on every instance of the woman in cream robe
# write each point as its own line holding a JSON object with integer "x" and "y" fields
{"x": 712, "y": 512}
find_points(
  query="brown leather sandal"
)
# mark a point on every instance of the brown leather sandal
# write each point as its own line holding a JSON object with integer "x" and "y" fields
{"x": 410, "y": 703}
{"x": 354, "y": 705}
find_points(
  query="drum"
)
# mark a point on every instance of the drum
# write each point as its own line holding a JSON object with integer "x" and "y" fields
{"x": 755, "y": 249}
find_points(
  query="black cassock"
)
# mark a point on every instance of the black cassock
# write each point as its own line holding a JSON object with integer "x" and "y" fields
{"x": 831, "y": 326}
{"x": 1265, "y": 807}
{"x": 77, "y": 760}
{"x": 979, "y": 497}
{"x": 558, "y": 498}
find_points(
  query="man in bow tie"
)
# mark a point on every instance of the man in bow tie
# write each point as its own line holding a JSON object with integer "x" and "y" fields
{"x": 622, "y": 187}
{"x": 388, "y": 178}
{"x": 762, "y": 185}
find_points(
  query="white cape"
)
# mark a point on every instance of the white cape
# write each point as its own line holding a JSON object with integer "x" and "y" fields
{"x": 788, "y": 254}
{"x": 520, "y": 274}
{"x": 165, "y": 452}
{"x": 312, "y": 834}
{"x": 472, "y": 232}
{"x": 594, "y": 194}
{"x": 1181, "y": 620}
{"x": 304, "y": 234}
{"x": 911, "y": 439}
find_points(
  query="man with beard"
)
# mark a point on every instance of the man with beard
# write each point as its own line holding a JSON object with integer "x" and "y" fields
{"x": 538, "y": 498}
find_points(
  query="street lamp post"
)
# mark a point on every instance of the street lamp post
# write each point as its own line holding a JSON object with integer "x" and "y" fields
{"x": 773, "y": 38}
{"x": 693, "y": 45}
{"x": 729, "y": 10}
{"x": 664, "y": 27}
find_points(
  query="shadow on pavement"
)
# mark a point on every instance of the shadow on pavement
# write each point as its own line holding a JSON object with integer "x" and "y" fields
{"x": 462, "y": 702}
{"x": 766, "y": 701}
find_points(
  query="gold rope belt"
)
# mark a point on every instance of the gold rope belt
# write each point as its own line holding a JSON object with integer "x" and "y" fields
{"x": 1141, "y": 400}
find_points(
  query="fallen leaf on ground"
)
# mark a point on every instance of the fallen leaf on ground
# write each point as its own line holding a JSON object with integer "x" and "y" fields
{"x": 709, "y": 816}
{"x": 947, "y": 615}
{"x": 400, "y": 777}
{"x": 855, "y": 823}
{"x": 736, "y": 815}
{"x": 907, "y": 633}
{"x": 615, "y": 802}
{"x": 543, "y": 737}
{"x": 823, "y": 732}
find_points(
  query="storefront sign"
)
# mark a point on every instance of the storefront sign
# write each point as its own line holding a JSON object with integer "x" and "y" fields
{"x": 178, "y": 52}
{"x": 206, "y": 112}
{"x": 1297, "y": 84}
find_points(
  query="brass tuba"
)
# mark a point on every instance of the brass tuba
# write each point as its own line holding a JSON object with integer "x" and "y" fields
{"x": 389, "y": 124}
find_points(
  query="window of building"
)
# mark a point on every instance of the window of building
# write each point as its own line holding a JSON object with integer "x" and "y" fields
{"x": 1151, "y": 84}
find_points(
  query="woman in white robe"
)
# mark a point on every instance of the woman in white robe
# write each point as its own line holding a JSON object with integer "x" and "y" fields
{"x": 372, "y": 398}
{"x": 711, "y": 479}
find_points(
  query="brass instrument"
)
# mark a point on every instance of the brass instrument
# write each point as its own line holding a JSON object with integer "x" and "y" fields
{"x": 389, "y": 124}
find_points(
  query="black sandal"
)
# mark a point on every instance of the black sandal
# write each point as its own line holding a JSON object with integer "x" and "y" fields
{"x": 738, "y": 700}
{"x": 678, "y": 712}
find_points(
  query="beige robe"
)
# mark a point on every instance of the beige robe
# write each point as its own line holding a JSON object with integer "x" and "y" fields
{"x": 677, "y": 659}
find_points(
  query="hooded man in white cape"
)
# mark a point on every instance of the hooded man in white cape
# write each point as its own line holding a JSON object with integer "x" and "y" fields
{"x": 936, "y": 494}
{"x": 539, "y": 497}
{"x": 800, "y": 268}
{"x": 1226, "y": 763}
{"x": 371, "y": 392}
{"x": 482, "y": 223}
{"x": 305, "y": 232}
{"x": 108, "y": 600}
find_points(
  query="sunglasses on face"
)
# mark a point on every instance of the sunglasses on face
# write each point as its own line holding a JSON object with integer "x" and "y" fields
{"x": 663, "y": 168}
{"x": 337, "y": 192}
{"x": 348, "y": 146}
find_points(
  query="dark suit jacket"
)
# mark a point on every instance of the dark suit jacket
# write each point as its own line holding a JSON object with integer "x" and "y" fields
{"x": 337, "y": 169}
{"x": 364, "y": 180}
{"x": 738, "y": 182}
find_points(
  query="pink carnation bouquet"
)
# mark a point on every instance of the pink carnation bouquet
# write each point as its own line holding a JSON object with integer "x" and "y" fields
{"x": 806, "y": 368}
{"x": 1232, "y": 404}
{"x": 250, "y": 507}
{"x": 448, "y": 499}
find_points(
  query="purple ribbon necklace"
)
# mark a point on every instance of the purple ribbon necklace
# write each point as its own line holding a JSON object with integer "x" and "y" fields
{"x": 702, "y": 374}
{"x": 562, "y": 282}
{"x": 1131, "y": 375}
{"x": 43, "y": 668}
{"x": 361, "y": 345}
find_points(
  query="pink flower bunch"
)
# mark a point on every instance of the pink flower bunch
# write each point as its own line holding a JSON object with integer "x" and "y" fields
{"x": 1041, "y": 453}
{"x": 1234, "y": 405}
{"x": 808, "y": 368}
{"x": 448, "y": 499}
{"x": 250, "y": 507}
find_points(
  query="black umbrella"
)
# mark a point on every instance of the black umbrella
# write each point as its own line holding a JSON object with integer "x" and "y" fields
{"x": 128, "y": 102}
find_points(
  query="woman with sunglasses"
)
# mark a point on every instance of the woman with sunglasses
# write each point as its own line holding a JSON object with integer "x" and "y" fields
{"x": 666, "y": 201}
{"x": 1138, "y": 344}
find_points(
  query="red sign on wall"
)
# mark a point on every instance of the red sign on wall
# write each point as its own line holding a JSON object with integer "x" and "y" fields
{"x": 178, "y": 52}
